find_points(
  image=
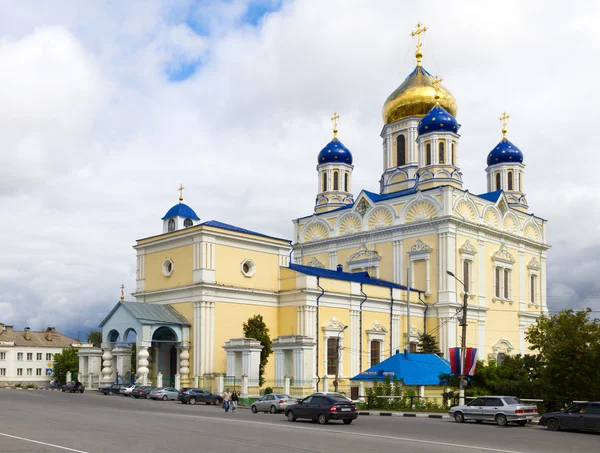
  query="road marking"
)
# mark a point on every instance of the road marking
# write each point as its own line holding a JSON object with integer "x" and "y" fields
{"x": 346, "y": 433}
{"x": 43, "y": 443}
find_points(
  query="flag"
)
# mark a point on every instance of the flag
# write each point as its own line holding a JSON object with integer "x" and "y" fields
{"x": 456, "y": 361}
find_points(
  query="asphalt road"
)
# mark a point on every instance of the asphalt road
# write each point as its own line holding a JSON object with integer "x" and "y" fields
{"x": 49, "y": 421}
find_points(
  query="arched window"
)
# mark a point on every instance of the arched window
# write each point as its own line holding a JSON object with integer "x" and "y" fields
{"x": 188, "y": 223}
{"x": 375, "y": 352}
{"x": 510, "y": 180}
{"x": 336, "y": 181}
{"x": 332, "y": 355}
{"x": 400, "y": 150}
{"x": 171, "y": 224}
{"x": 453, "y": 155}
{"x": 428, "y": 154}
{"x": 324, "y": 182}
{"x": 346, "y": 180}
{"x": 466, "y": 274}
{"x": 497, "y": 181}
{"x": 441, "y": 153}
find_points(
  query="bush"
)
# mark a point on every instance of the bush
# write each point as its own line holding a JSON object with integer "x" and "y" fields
{"x": 268, "y": 390}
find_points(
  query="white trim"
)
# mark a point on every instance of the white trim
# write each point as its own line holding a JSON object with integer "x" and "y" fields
{"x": 165, "y": 265}
{"x": 252, "y": 268}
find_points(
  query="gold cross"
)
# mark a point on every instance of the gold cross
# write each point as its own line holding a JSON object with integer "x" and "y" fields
{"x": 420, "y": 29}
{"x": 334, "y": 118}
{"x": 436, "y": 84}
{"x": 504, "y": 118}
{"x": 181, "y": 193}
{"x": 122, "y": 293}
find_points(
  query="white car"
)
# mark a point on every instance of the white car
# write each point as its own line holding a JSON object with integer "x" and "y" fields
{"x": 499, "y": 409}
{"x": 126, "y": 391}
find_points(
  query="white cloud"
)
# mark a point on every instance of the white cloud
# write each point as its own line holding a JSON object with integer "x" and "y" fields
{"x": 95, "y": 139}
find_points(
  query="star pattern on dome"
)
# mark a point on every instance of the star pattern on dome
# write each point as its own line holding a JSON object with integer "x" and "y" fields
{"x": 505, "y": 151}
{"x": 335, "y": 151}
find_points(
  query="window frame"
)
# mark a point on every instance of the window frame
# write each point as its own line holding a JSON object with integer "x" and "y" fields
{"x": 333, "y": 355}
{"x": 38, "y": 371}
{"x": 324, "y": 182}
{"x": 336, "y": 180}
{"x": 38, "y": 356}
{"x": 171, "y": 225}
{"x": 375, "y": 352}
{"x": 428, "y": 156}
{"x": 49, "y": 356}
{"x": 2, "y": 355}
{"x": 19, "y": 371}
{"x": 498, "y": 181}
{"x": 400, "y": 152}
{"x": 29, "y": 356}
{"x": 441, "y": 153}
{"x": 19, "y": 356}
{"x": 510, "y": 182}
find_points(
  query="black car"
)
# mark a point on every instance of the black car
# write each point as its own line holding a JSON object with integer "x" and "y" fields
{"x": 193, "y": 396}
{"x": 141, "y": 392}
{"x": 73, "y": 387}
{"x": 112, "y": 389}
{"x": 580, "y": 416}
{"x": 322, "y": 408}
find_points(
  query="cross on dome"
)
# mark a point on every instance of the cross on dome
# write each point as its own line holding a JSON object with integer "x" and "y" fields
{"x": 334, "y": 118}
{"x": 436, "y": 84}
{"x": 122, "y": 293}
{"x": 504, "y": 119}
{"x": 417, "y": 32}
{"x": 181, "y": 193}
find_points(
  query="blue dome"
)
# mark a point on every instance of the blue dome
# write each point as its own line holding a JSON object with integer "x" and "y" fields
{"x": 335, "y": 152}
{"x": 505, "y": 152}
{"x": 181, "y": 210}
{"x": 438, "y": 119}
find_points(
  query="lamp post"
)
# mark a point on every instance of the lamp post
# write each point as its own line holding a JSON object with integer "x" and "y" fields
{"x": 463, "y": 342}
{"x": 337, "y": 364}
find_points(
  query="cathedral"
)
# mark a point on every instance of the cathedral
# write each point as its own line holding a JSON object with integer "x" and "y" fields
{"x": 364, "y": 276}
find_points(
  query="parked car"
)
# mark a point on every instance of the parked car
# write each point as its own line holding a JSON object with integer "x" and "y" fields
{"x": 580, "y": 416}
{"x": 112, "y": 389}
{"x": 341, "y": 395}
{"x": 141, "y": 392}
{"x": 73, "y": 387}
{"x": 499, "y": 409}
{"x": 193, "y": 396}
{"x": 273, "y": 403}
{"x": 126, "y": 391}
{"x": 163, "y": 393}
{"x": 323, "y": 408}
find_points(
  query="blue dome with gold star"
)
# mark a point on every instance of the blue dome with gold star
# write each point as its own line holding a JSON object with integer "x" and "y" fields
{"x": 335, "y": 152}
{"x": 505, "y": 152}
{"x": 438, "y": 120}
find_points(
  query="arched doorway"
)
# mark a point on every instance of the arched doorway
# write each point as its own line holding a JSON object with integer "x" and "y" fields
{"x": 164, "y": 354}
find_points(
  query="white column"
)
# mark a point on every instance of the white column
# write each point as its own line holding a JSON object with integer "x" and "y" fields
{"x": 278, "y": 366}
{"x": 333, "y": 260}
{"x": 481, "y": 273}
{"x": 325, "y": 383}
{"x": 201, "y": 328}
{"x": 361, "y": 391}
{"x": 159, "y": 380}
{"x": 211, "y": 338}
{"x": 481, "y": 339}
{"x": 522, "y": 285}
{"x": 297, "y": 367}
{"x": 396, "y": 335}
{"x": 522, "y": 338}
{"x": 451, "y": 332}
{"x": 178, "y": 381}
{"x": 107, "y": 371}
{"x": 543, "y": 283}
{"x": 244, "y": 390}
{"x": 230, "y": 363}
{"x": 184, "y": 361}
{"x": 196, "y": 345}
{"x": 220, "y": 384}
{"x": 421, "y": 391}
{"x": 195, "y": 381}
{"x": 90, "y": 380}
{"x": 142, "y": 369}
{"x": 354, "y": 341}
{"x": 286, "y": 385}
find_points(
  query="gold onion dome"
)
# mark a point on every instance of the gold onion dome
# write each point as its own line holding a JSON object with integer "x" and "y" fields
{"x": 416, "y": 97}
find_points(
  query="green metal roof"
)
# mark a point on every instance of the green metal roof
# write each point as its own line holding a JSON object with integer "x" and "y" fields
{"x": 150, "y": 313}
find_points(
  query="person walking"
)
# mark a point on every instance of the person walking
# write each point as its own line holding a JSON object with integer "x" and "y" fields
{"x": 226, "y": 400}
{"x": 234, "y": 401}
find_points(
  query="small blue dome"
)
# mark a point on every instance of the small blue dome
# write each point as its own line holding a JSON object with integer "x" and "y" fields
{"x": 335, "y": 152}
{"x": 181, "y": 210}
{"x": 438, "y": 119}
{"x": 505, "y": 152}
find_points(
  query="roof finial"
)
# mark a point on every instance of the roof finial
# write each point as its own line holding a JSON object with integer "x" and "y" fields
{"x": 334, "y": 118}
{"x": 504, "y": 118}
{"x": 417, "y": 32}
{"x": 181, "y": 193}
{"x": 436, "y": 84}
{"x": 122, "y": 293}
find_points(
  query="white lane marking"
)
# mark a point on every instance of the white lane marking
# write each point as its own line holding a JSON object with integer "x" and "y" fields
{"x": 377, "y": 436}
{"x": 43, "y": 443}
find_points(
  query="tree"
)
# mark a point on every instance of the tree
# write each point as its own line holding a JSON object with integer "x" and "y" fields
{"x": 94, "y": 337}
{"x": 428, "y": 344}
{"x": 65, "y": 362}
{"x": 257, "y": 329}
{"x": 568, "y": 346}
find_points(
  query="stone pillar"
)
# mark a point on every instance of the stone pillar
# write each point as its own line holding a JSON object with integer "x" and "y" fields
{"x": 178, "y": 381}
{"x": 123, "y": 356}
{"x": 142, "y": 369}
{"x": 244, "y": 390}
{"x": 286, "y": 385}
{"x": 195, "y": 381}
{"x": 107, "y": 371}
{"x": 422, "y": 391}
{"x": 90, "y": 381}
{"x": 220, "y": 384}
{"x": 184, "y": 362}
{"x": 68, "y": 376}
{"x": 279, "y": 364}
{"x": 325, "y": 384}
{"x": 159, "y": 380}
{"x": 361, "y": 391}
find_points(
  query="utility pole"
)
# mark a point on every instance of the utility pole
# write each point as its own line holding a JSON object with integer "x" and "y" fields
{"x": 337, "y": 364}
{"x": 463, "y": 342}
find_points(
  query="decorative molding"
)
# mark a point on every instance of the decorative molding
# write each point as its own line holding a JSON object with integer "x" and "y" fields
{"x": 377, "y": 328}
{"x": 468, "y": 248}
{"x": 503, "y": 255}
{"x": 314, "y": 262}
{"x": 315, "y": 232}
{"x": 363, "y": 254}
{"x": 419, "y": 211}
{"x": 350, "y": 224}
{"x": 419, "y": 247}
{"x": 534, "y": 264}
{"x": 503, "y": 345}
{"x": 334, "y": 324}
{"x": 380, "y": 218}
{"x": 362, "y": 207}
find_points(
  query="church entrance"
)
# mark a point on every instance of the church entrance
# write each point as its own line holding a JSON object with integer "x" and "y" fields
{"x": 164, "y": 352}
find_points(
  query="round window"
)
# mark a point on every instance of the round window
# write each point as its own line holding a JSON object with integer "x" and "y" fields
{"x": 248, "y": 268}
{"x": 167, "y": 267}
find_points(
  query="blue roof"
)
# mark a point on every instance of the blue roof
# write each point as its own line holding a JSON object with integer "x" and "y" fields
{"x": 438, "y": 120}
{"x": 226, "y": 226}
{"x": 181, "y": 210}
{"x": 505, "y": 152}
{"x": 413, "y": 369}
{"x": 358, "y": 277}
{"x": 491, "y": 196}
{"x": 335, "y": 152}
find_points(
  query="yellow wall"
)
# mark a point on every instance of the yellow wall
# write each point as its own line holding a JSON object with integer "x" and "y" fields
{"x": 229, "y": 259}
{"x": 287, "y": 279}
{"x": 186, "y": 309}
{"x": 182, "y": 275}
{"x": 287, "y": 321}
{"x": 322, "y": 257}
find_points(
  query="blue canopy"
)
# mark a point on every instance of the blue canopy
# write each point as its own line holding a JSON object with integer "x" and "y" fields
{"x": 413, "y": 369}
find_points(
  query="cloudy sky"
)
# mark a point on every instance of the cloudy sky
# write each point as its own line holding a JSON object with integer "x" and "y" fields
{"x": 105, "y": 107}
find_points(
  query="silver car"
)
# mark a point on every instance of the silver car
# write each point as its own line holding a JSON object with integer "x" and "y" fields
{"x": 272, "y": 403}
{"x": 499, "y": 409}
{"x": 126, "y": 391}
{"x": 164, "y": 393}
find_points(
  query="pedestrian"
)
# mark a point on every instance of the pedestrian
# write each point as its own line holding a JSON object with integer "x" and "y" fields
{"x": 234, "y": 401}
{"x": 226, "y": 400}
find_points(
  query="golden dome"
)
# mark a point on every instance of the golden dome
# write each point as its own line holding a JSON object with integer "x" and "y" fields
{"x": 415, "y": 97}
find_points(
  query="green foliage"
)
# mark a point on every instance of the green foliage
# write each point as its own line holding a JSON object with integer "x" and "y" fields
{"x": 257, "y": 329}
{"x": 428, "y": 344}
{"x": 94, "y": 337}
{"x": 401, "y": 399}
{"x": 65, "y": 362}
{"x": 268, "y": 390}
{"x": 568, "y": 345}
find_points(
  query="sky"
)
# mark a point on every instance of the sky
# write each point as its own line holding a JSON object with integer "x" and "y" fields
{"x": 106, "y": 107}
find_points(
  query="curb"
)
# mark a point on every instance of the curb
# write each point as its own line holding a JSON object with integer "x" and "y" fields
{"x": 404, "y": 414}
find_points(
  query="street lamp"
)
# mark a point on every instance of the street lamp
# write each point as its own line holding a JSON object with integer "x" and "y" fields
{"x": 337, "y": 364}
{"x": 463, "y": 341}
